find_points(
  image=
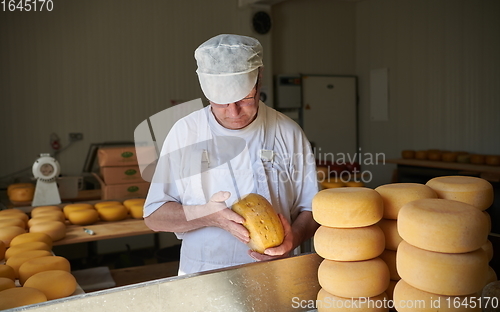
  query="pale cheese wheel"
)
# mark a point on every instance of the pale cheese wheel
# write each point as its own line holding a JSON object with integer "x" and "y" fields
{"x": 72, "y": 207}
{"x": 451, "y": 274}
{"x": 14, "y": 213}
{"x": 54, "y": 284}
{"x": 44, "y": 218}
{"x": 391, "y": 234}
{"x": 20, "y": 296}
{"x": 112, "y": 213}
{"x": 12, "y": 222}
{"x": 16, "y": 261}
{"x": 83, "y": 216}
{"x": 470, "y": 190}
{"x": 352, "y": 244}
{"x": 137, "y": 211}
{"x": 40, "y": 264}
{"x": 347, "y": 207}
{"x": 6, "y": 283}
{"x": 396, "y": 195}
{"x": 43, "y": 209}
{"x": 488, "y": 248}
{"x": 409, "y": 298}
{"x": 7, "y": 271}
{"x": 389, "y": 257}
{"x": 328, "y": 302}
{"x": 133, "y": 201}
{"x": 106, "y": 203}
{"x": 14, "y": 250}
{"x": 55, "y": 229}
{"x": 443, "y": 225}
{"x": 354, "y": 279}
{"x": 58, "y": 215}
{"x": 9, "y": 232}
{"x": 31, "y": 237}
{"x": 3, "y": 248}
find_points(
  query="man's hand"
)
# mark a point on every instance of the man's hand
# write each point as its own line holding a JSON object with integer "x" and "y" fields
{"x": 280, "y": 251}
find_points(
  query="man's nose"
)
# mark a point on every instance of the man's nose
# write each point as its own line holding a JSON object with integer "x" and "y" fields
{"x": 233, "y": 109}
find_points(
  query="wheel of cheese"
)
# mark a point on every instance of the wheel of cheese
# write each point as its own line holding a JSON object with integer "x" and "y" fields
{"x": 492, "y": 160}
{"x": 389, "y": 257}
{"x": 45, "y": 218}
{"x": 31, "y": 237}
{"x": 3, "y": 248}
{"x": 54, "y": 284}
{"x": 408, "y": 154}
{"x": 12, "y": 222}
{"x": 449, "y": 157}
{"x": 409, "y": 298}
{"x": 137, "y": 211}
{"x": 133, "y": 201}
{"x": 488, "y": 248}
{"x": 390, "y": 290}
{"x": 354, "y": 184}
{"x": 72, "y": 207}
{"x": 55, "y": 229}
{"x": 16, "y": 185}
{"x": 354, "y": 279}
{"x": 106, "y": 203}
{"x": 9, "y": 232}
{"x": 443, "y": 225}
{"x": 477, "y": 159}
{"x": 20, "y": 296}
{"x": 434, "y": 155}
{"x": 7, "y": 271}
{"x": 14, "y": 213}
{"x": 43, "y": 209}
{"x": 17, "y": 260}
{"x": 396, "y": 195}
{"x": 391, "y": 234}
{"x": 83, "y": 216}
{"x": 470, "y": 190}
{"x": 40, "y": 264}
{"x": 22, "y": 194}
{"x": 353, "y": 244}
{"x": 51, "y": 213}
{"x": 451, "y": 274}
{"x": 421, "y": 155}
{"x": 14, "y": 250}
{"x": 328, "y": 302}
{"x": 332, "y": 184}
{"x": 347, "y": 207}
{"x": 463, "y": 158}
{"x": 6, "y": 283}
{"x": 113, "y": 213}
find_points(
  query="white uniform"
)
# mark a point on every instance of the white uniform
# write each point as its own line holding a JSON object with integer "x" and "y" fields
{"x": 201, "y": 144}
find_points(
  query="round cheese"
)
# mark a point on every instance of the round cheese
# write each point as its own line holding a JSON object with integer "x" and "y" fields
{"x": 83, "y": 216}
{"x": 488, "y": 248}
{"x": 3, "y": 248}
{"x": 137, "y": 211}
{"x": 17, "y": 260}
{"x": 409, "y": 298}
{"x": 391, "y": 234}
{"x": 44, "y": 218}
{"x": 20, "y": 296}
{"x": 477, "y": 159}
{"x": 16, "y": 185}
{"x": 451, "y": 274}
{"x": 449, "y": 157}
{"x": 12, "y": 222}
{"x": 352, "y": 244}
{"x": 9, "y": 232}
{"x": 470, "y": 190}
{"x": 434, "y": 155}
{"x": 133, "y": 201}
{"x": 55, "y": 229}
{"x": 6, "y": 283}
{"x": 22, "y": 194}
{"x": 492, "y": 160}
{"x": 350, "y": 279}
{"x": 31, "y": 237}
{"x": 14, "y": 250}
{"x": 396, "y": 195}
{"x": 347, "y": 207}
{"x": 443, "y": 225}
{"x": 14, "y": 213}
{"x": 354, "y": 184}
{"x": 421, "y": 155}
{"x": 40, "y": 264}
{"x": 463, "y": 158}
{"x": 112, "y": 213}
{"x": 328, "y": 302}
{"x": 7, "y": 271}
{"x": 408, "y": 154}
{"x": 43, "y": 209}
{"x": 72, "y": 207}
{"x": 106, "y": 203}
{"x": 57, "y": 215}
{"x": 54, "y": 284}
{"x": 389, "y": 257}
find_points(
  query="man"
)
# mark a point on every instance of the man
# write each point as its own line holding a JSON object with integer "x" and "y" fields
{"x": 211, "y": 169}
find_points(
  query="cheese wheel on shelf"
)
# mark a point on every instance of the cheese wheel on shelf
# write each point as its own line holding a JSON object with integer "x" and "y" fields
{"x": 443, "y": 225}
{"x": 106, "y": 203}
{"x": 391, "y": 234}
{"x": 396, "y": 195}
{"x": 133, "y": 201}
{"x": 14, "y": 250}
{"x": 55, "y": 229}
{"x": 56, "y": 214}
{"x": 54, "y": 284}
{"x": 72, "y": 207}
{"x": 40, "y": 264}
{"x": 6, "y": 283}
{"x": 492, "y": 160}
{"x": 22, "y": 194}
{"x": 16, "y": 261}
{"x": 347, "y": 207}
{"x": 470, "y": 190}
{"x": 12, "y": 222}
{"x": 14, "y": 213}
{"x": 44, "y": 218}
{"x": 434, "y": 155}
{"x": 357, "y": 279}
{"x": 389, "y": 257}
{"x": 408, "y": 154}
{"x": 353, "y": 244}
{"x": 7, "y": 271}
{"x": 488, "y": 248}
{"x": 16, "y": 185}
{"x": 137, "y": 211}
{"x": 451, "y": 274}
{"x": 328, "y": 302}
{"x": 112, "y": 213}
{"x": 83, "y": 216}
{"x": 20, "y": 296}
{"x": 31, "y": 237}
{"x": 421, "y": 155}
{"x": 43, "y": 209}
{"x": 463, "y": 158}
{"x": 477, "y": 159}
{"x": 9, "y": 232}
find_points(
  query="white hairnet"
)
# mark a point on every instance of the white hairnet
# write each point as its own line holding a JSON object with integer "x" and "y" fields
{"x": 228, "y": 66}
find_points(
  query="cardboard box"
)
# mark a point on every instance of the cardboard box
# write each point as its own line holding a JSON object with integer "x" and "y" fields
{"x": 121, "y": 175}
{"x": 117, "y": 156}
{"x": 122, "y": 191}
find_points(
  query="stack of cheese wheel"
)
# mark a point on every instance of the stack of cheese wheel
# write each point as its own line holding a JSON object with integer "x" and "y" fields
{"x": 135, "y": 207}
{"x": 12, "y": 223}
{"x": 350, "y": 243}
{"x": 111, "y": 210}
{"x": 440, "y": 259}
{"x": 395, "y": 196}
{"x": 81, "y": 213}
{"x": 49, "y": 220}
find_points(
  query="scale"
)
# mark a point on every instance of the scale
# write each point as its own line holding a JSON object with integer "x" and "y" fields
{"x": 46, "y": 169}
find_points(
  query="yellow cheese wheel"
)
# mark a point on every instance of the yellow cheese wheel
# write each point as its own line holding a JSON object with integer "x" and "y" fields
{"x": 492, "y": 160}
{"x": 353, "y": 244}
{"x": 391, "y": 234}
{"x": 133, "y": 201}
{"x": 20, "y": 296}
{"x": 83, "y": 216}
{"x": 332, "y": 184}
{"x": 449, "y": 156}
{"x": 72, "y": 207}
{"x": 12, "y": 222}
{"x": 354, "y": 184}
{"x": 43, "y": 209}
{"x": 55, "y": 229}
{"x": 51, "y": 213}
{"x": 488, "y": 248}
{"x": 327, "y": 302}
{"x": 44, "y": 218}
{"x": 408, "y": 154}
{"x": 390, "y": 290}
{"x": 396, "y": 195}
{"x": 9, "y": 232}
{"x": 443, "y": 225}
{"x": 112, "y": 213}
{"x": 470, "y": 190}
{"x": 40, "y": 264}
{"x": 106, "y": 203}
{"x": 347, "y": 207}
{"x": 410, "y": 299}
{"x": 137, "y": 211}
{"x": 389, "y": 257}
{"x": 31, "y": 237}
{"x": 451, "y": 274}
{"x": 7, "y": 271}
{"x": 14, "y": 213}
{"x": 357, "y": 279}
{"x": 16, "y": 261}
{"x": 421, "y": 155}
{"x": 14, "y": 250}
{"x": 3, "y": 248}
{"x": 434, "y": 155}
{"x": 16, "y": 185}
{"x": 54, "y": 284}
{"x": 6, "y": 283}
{"x": 477, "y": 159}
{"x": 22, "y": 194}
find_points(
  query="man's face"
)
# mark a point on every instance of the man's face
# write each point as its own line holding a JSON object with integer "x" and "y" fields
{"x": 239, "y": 114}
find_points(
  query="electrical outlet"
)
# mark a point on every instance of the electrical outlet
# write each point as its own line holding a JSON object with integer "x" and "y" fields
{"x": 75, "y": 136}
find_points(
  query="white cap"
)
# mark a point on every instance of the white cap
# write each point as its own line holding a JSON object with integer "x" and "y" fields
{"x": 228, "y": 66}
